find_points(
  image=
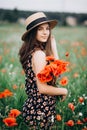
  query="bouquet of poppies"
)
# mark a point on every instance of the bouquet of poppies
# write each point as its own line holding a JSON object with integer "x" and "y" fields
{"x": 52, "y": 70}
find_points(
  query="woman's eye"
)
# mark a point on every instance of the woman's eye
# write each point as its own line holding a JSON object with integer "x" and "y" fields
{"x": 48, "y": 28}
{"x": 43, "y": 28}
{"x": 39, "y": 29}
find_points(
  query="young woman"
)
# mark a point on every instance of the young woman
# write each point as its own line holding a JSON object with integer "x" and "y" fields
{"x": 39, "y": 108}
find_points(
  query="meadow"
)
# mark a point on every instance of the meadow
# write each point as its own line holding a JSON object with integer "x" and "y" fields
{"x": 72, "y": 47}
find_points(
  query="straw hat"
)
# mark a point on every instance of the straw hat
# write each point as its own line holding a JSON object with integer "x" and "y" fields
{"x": 36, "y": 19}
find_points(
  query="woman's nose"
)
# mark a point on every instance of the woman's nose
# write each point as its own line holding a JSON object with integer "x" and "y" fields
{"x": 44, "y": 31}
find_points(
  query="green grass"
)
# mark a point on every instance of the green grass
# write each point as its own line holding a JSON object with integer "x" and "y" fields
{"x": 69, "y": 39}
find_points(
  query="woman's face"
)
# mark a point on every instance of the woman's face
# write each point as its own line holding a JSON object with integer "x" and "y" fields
{"x": 43, "y": 32}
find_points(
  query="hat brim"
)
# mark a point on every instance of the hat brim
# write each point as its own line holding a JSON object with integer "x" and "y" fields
{"x": 52, "y": 23}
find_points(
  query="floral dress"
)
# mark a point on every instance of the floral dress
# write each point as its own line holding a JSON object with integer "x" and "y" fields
{"x": 38, "y": 109}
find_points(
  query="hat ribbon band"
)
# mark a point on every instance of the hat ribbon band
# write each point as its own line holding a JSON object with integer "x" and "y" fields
{"x": 35, "y": 22}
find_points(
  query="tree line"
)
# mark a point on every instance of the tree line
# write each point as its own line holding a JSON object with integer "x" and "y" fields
{"x": 15, "y": 14}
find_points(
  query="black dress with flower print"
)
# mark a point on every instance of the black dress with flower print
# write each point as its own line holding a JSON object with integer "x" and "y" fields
{"x": 38, "y": 109}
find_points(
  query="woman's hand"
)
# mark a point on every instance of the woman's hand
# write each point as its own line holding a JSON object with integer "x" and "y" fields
{"x": 53, "y": 41}
{"x": 54, "y": 47}
{"x": 65, "y": 95}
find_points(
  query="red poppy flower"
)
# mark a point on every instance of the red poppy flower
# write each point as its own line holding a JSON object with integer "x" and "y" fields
{"x": 50, "y": 58}
{"x": 22, "y": 72}
{"x": 61, "y": 66}
{"x": 14, "y": 86}
{"x": 70, "y": 123}
{"x": 0, "y": 58}
{"x": 64, "y": 81}
{"x": 84, "y": 128}
{"x": 76, "y": 75}
{"x": 67, "y": 54}
{"x": 81, "y": 99}
{"x": 10, "y": 121}
{"x": 58, "y": 117}
{"x": 7, "y": 92}
{"x": 54, "y": 69}
{"x": 14, "y": 113}
{"x": 79, "y": 122}
{"x": 2, "y": 95}
{"x": 71, "y": 106}
{"x": 45, "y": 74}
{"x": 85, "y": 119}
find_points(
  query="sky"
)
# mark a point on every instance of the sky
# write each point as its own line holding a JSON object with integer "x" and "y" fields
{"x": 76, "y": 6}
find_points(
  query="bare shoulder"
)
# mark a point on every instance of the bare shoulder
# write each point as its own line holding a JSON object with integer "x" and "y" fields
{"x": 38, "y": 54}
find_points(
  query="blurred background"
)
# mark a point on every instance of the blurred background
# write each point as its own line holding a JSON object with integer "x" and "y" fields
{"x": 68, "y": 12}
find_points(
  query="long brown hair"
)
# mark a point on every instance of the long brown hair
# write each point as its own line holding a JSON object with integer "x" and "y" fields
{"x": 31, "y": 44}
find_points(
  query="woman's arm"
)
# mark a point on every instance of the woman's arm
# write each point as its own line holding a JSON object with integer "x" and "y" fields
{"x": 54, "y": 47}
{"x": 39, "y": 61}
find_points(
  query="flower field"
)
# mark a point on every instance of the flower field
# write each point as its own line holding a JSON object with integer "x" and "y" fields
{"x": 72, "y": 47}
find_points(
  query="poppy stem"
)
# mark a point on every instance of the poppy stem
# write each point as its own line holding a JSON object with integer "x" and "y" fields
{"x": 62, "y": 124}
